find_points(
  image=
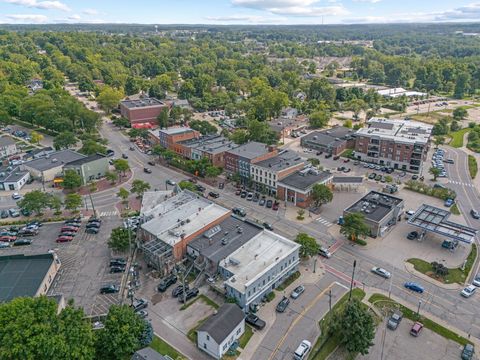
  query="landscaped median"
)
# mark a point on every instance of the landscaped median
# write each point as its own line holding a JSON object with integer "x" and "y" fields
{"x": 456, "y": 275}
{"x": 381, "y": 302}
{"x": 472, "y": 166}
{"x": 457, "y": 137}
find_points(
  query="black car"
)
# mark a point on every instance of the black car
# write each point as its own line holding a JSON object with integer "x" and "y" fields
{"x": 412, "y": 235}
{"x": 268, "y": 226}
{"x": 239, "y": 211}
{"x": 151, "y": 163}
{"x": 282, "y": 305}
{"x": 22, "y": 242}
{"x": 200, "y": 188}
{"x": 221, "y": 185}
{"x": 269, "y": 204}
{"x": 94, "y": 219}
{"x": 93, "y": 225}
{"x": 179, "y": 290}
{"x": 328, "y": 156}
{"x": 166, "y": 282}
{"x": 147, "y": 170}
{"x": 118, "y": 262}
{"x": 243, "y": 194}
{"x": 109, "y": 289}
{"x": 73, "y": 220}
{"x": 4, "y": 214}
{"x": 255, "y": 321}
{"x": 74, "y": 224}
{"x": 188, "y": 295}
{"x": 27, "y": 232}
{"x": 214, "y": 194}
{"x": 124, "y": 156}
{"x": 92, "y": 230}
{"x": 117, "y": 269}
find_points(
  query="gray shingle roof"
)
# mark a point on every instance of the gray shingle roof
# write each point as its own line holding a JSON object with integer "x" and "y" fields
{"x": 250, "y": 150}
{"x": 58, "y": 158}
{"x": 147, "y": 354}
{"x": 303, "y": 182}
{"x": 219, "y": 326}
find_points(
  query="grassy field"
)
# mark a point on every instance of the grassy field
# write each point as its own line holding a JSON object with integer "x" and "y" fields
{"x": 245, "y": 338}
{"x": 472, "y": 166}
{"x": 381, "y": 302}
{"x": 457, "y": 137}
{"x": 324, "y": 346}
{"x": 456, "y": 275}
{"x": 165, "y": 349}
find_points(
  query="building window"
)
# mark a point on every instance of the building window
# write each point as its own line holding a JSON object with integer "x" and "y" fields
{"x": 239, "y": 330}
{"x": 208, "y": 337}
{"x": 225, "y": 347}
{"x": 204, "y": 345}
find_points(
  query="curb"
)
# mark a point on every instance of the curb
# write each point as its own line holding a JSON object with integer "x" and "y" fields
{"x": 411, "y": 270}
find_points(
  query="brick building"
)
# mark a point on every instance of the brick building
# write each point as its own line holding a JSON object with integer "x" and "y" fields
{"x": 142, "y": 111}
{"x": 212, "y": 147}
{"x": 239, "y": 160}
{"x": 399, "y": 144}
{"x": 167, "y": 138}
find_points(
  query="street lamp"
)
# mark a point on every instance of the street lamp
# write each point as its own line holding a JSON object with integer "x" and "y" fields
{"x": 418, "y": 309}
{"x": 351, "y": 282}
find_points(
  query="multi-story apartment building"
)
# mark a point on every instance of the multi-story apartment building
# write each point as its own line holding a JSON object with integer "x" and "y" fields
{"x": 212, "y": 147}
{"x": 239, "y": 160}
{"x": 142, "y": 111}
{"x": 400, "y": 144}
{"x": 266, "y": 173}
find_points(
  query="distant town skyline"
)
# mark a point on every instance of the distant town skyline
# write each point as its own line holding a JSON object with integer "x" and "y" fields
{"x": 237, "y": 11}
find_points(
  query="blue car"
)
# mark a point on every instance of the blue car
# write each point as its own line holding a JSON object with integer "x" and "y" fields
{"x": 414, "y": 287}
{"x": 448, "y": 202}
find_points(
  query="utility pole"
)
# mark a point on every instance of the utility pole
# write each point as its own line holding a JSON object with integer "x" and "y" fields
{"x": 330, "y": 300}
{"x": 314, "y": 265}
{"x": 351, "y": 283}
{"x": 390, "y": 287}
{"x": 418, "y": 309}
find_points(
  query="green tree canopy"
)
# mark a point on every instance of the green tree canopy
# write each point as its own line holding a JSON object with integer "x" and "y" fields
{"x": 73, "y": 201}
{"x": 309, "y": 246}
{"x": 121, "y": 166}
{"x": 139, "y": 187}
{"x": 71, "y": 179}
{"x": 435, "y": 172}
{"x": 64, "y": 140}
{"x": 34, "y": 201}
{"x": 119, "y": 239}
{"x": 354, "y": 226}
{"x": 321, "y": 194}
{"x": 109, "y": 98}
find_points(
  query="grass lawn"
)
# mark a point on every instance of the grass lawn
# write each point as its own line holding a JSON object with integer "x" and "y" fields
{"x": 472, "y": 166}
{"x": 245, "y": 338}
{"x": 192, "y": 333}
{"x": 288, "y": 281}
{"x": 165, "y": 349}
{"x": 324, "y": 345}
{"x": 456, "y": 275}
{"x": 204, "y": 298}
{"x": 382, "y": 301}
{"x": 457, "y": 137}
{"x": 454, "y": 209}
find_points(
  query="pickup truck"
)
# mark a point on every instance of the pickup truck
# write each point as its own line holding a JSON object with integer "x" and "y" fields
{"x": 255, "y": 321}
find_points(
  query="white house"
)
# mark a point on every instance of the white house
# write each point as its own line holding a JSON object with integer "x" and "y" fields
{"x": 221, "y": 330}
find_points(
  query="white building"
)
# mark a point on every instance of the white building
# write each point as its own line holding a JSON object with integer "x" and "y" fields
{"x": 221, "y": 330}
{"x": 397, "y": 92}
{"x": 258, "y": 267}
{"x": 8, "y": 146}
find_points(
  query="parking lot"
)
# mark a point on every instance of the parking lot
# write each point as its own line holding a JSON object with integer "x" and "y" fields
{"x": 400, "y": 345}
{"x": 84, "y": 268}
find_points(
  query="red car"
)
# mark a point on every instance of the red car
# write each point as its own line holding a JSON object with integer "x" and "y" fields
{"x": 69, "y": 229}
{"x": 275, "y": 206}
{"x": 64, "y": 238}
{"x": 7, "y": 238}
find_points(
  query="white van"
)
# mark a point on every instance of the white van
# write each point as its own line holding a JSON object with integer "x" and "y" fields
{"x": 302, "y": 350}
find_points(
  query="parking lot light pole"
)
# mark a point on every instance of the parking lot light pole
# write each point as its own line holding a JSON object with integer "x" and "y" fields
{"x": 351, "y": 282}
{"x": 418, "y": 309}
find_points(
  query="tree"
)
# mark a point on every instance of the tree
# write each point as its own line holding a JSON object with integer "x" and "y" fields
{"x": 184, "y": 184}
{"x": 356, "y": 328}
{"x": 459, "y": 113}
{"x": 73, "y": 202}
{"x": 321, "y": 89}
{"x": 321, "y": 194}
{"x": 55, "y": 203}
{"x": 64, "y": 336}
{"x": 119, "y": 239}
{"x": 439, "y": 140}
{"x": 34, "y": 201}
{"x": 356, "y": 106}
{"x": 121, "y": 335}
{"x": 462, "y": 85}
{"x": 354, "y": 226}
{"x": 64, "y": 140}
{"x": 143, "y": 133}
{"x": 239, "y": 136}
{"x": 348, "y": 123}
{"x": 36, "y": 137}
{"x": 123, "y": 194}
{"x": 204, "y": 127}
{"x": 121, "y": 122}
{"x": 139, "y": 187}
{"x": 92, "y": 147}
{"x": 441, "y": 127}
{"x": 109, "y": 98}
{"x": 212, "y": 171}
{"x": 163, "y": 118}
{"x": 309, "y": 246}
{"x": 111, "y": 176}
{"x": 121, "y": 166}
{"x": 319, "y": 119}
{"x": 71, "y": 179}
{"x": 435, "y": 172}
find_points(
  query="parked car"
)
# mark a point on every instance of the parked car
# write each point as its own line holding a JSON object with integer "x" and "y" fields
{"x": 240, "y": 212}
{"x": 238, "y": 192}
{"x": 151, "y": 163}
{"x": 414, "y": 287}
{"x": 467, "y": 352}
{"x": 200, "y": 188}
{"x": 269, "y": 204}
{"x": 249, "y": 196}
{"x": 468, "y": 291}
{"x": 117, "y": 269}
{"x": 275, "y": 206}
{"x": 372, "y": 176}
{"x": 68, "y": 229}
{"x": 61, "y": 239}
{"x": 13, "y": 213}
{"x": 302, "y": 350}
{"x": 395, "y": 320}
{"x": 179, "y": 290}
{"x": 255, "y": 321}
{"x": 147, "y": 170}
{"x": 448, "y": 202}
{"x": 65, "y": 234}
{"x": 243, "y": 194}
{"x": 92, "y": 230}
{"x": 4, "y": 244}
{"x": 139, "y": 304}
{"x": 118, "y": 262}
{"x": 214, "y": 194}
{"x": 8, "y": 238}
{"x": 262, "y": 202}
{"x": 283, "y": 304}
{"x": 171, "y": 182}
{"x": 4, "y": 214}
{"x": 416, "y": 328}
{"x": 166, "y": 282}
{"x": 93, "y": 224}
{"x": 409, "y": 214}
{"x": 16, "y": 196}
{"x": 124, "y": 156}
{"x": 381, "y": 272}
{"x": 268, "y": 226}
{"x": 324, "y": 252}
{"x": 412, "y": 235}
{"x": 22, "y": 242}
{"x": 299, "y": 290}
{"x": 142, "y": 313}
{"x": 476, "y": 280}
{"x": 109, "y": 289}
{"x": 188, "y": 295}
{"x": 475, "y": 214}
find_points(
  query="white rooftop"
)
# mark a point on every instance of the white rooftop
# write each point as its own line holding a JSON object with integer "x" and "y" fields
{"x": 151, "y": 199}
{"x": 256, "y": 257}
{"x": 402, "y": 131}
{"x": 396, "y": 92}
{"x": 175, "y": 130}
{"x": 181, "y": 216}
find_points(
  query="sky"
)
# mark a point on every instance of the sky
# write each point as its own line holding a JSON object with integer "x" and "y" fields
{"x": 237, "y": 11}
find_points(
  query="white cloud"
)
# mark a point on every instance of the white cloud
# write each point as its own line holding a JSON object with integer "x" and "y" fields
{"x": 468, "y": 12}
{"x": 27, "y": 18}
{"x": 367, "y": 1}
{"x": 90, "y": 12}
{"x": 44, "y": 5}
{"x": 301, "y": 8}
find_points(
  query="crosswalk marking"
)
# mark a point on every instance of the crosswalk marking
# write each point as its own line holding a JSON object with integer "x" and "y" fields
{"x": 461, "y": 183}
{"x": 108, "y": 213}
{"x": 324, "y": 221}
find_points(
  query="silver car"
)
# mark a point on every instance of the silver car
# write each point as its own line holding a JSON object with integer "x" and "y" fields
{"x": 297, "y": 292}
{"x": 381, "y": 272}
{"x": 476, "y": 281}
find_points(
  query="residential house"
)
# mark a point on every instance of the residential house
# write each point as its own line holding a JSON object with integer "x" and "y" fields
{"x": 222, "y": 329}
{"x": 12, "y": 178}
{"x": 289, "y": 113}
{"x": 8, "y": 147}
{"x": 48, "y": 167}
{"x": 284, "y": 127}
{"x": 89, "y": 168}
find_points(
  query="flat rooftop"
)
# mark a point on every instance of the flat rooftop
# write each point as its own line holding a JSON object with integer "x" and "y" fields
{"x": 431, "y": 218}
{"x": 21, "y": 275}
{"x": 306, "y": 178}
{"x": 210, "y": 144}
{"x": 256, "y": 257}
{"x": 403, "y": 131}
{"x": 53, "y": 160}
{"x": 251, "y": 150}
{"x": 283, "y": 160}
{"x": 173, "y": 130}
{"x": 181, "y": 216}
{"x": 375, "y": 205}
{"x": 223, "y": 239}
{"x": 142, "y": 103}
{"x": 151, "y": 199}
{"x": 87, "y": 159}
{"x": 347, "y": 180}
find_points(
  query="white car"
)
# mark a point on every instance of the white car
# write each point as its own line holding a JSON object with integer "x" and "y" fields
{"x": 302, "y": 350}
{"x": 409, "y": 213}
{"x": 476, "y": 281}
{"x": 381, "y": 272}
{"x": 324, "y": 252}
{"x": 16, "y": 196}
{"x": 468, "y": 291}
